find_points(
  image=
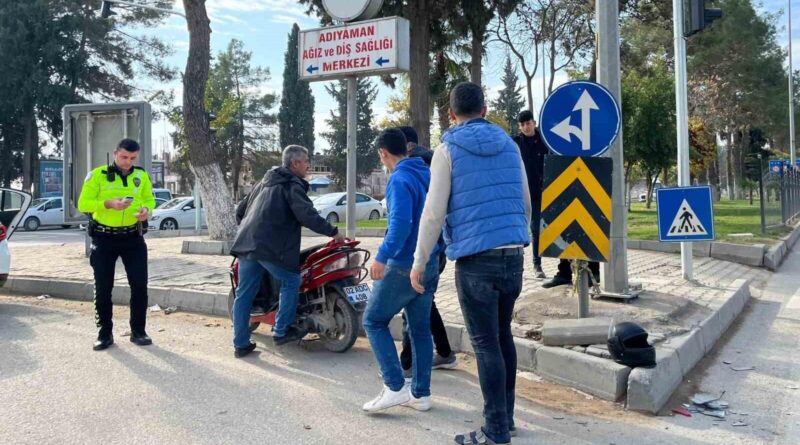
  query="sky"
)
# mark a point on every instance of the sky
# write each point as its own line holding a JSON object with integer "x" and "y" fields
{"x": 264, "y": 25}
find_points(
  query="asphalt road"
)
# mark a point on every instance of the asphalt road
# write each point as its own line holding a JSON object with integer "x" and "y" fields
{"x": 188, "y": 389}
{"x": 47, "y": 235}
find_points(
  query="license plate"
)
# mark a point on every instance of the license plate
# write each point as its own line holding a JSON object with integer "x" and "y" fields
{"x": 358, "y": 294}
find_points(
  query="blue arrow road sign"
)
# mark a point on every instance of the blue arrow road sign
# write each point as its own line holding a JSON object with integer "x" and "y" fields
{"x": 311, "y": 69}
{"x": 580, "y": 119}
{"x": 685, "y": 214}
{"x": 776, "y": 166}
{"x": 381, "y": 61}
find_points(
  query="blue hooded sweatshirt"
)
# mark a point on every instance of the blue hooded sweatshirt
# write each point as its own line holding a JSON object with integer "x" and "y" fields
{"x": 405, "y": 198}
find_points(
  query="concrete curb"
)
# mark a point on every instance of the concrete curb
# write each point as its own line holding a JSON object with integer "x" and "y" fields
{"x": 650, "y": 389}
{"x": 175, "y": 233}
{"x": 206, "y": 247}
{"x": 759, "y": 255}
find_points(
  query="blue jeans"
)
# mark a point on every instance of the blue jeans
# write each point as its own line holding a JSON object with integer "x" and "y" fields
{"x": 536, "y": 227}
{"x": 488, "y": 285}
{"x": 389, "y": 296}
{"x": 251, "y": 274}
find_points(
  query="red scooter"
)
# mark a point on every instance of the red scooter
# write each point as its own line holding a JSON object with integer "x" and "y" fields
{"x": 332, "y": 296}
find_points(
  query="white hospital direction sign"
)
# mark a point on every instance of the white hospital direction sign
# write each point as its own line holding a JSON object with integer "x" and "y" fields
{"x": 367, "y": 48}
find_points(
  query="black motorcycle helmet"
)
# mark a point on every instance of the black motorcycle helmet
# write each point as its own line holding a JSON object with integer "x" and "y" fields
{"x": 628, "y": 346}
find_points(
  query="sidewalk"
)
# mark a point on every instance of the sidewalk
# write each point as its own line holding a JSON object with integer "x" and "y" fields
{"x": 666, "y": 306}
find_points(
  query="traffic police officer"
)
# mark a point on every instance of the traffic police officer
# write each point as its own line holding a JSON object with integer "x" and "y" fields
{"x": 119, "y": 199}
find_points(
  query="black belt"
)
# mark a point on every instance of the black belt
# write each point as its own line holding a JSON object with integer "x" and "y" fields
{"x": 108, "y": 230}
{"x": 507, "y": 251}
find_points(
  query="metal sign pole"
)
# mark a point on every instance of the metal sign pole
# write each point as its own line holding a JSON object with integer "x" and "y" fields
{"x": 682, "y": 121}
{"x": 352, "y": 116}
{"x": 583, "y": 289}
{"x": 792, "y": 149}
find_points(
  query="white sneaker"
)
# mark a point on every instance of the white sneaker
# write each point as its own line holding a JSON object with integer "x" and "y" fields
{"x": 387, "y": 399}
{"x": 419, "y": 404}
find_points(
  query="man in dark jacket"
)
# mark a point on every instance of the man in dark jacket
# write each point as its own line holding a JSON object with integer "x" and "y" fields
{"x": 533, "y": 150}
{"x": 269, "y": 240}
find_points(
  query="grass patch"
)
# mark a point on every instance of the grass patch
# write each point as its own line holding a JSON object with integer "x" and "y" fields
{"x": 729, "y": 217}
{"x": 365, "y": 224}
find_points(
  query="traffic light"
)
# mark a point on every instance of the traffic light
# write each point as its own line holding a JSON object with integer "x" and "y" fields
{"x": 700, "y": 17}
{"x": 106, "y": 12}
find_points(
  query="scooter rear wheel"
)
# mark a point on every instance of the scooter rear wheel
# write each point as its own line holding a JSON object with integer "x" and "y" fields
{"x": 232, "y": 296}
{"x": 347, "y": 323}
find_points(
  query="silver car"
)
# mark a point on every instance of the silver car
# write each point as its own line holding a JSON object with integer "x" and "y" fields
{"x": 333, "y": 207}
{"x": 13, "y": 204}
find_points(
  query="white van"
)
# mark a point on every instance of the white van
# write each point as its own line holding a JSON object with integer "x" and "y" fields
{"x": 44, "y": 212}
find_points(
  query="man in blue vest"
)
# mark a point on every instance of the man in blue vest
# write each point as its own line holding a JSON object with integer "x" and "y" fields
{"x": 479, "y": 192}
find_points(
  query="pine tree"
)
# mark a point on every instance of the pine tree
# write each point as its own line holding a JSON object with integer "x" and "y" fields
{"x": 367, "y": 155}
{"x": 509, "y": 102}
{"x": 296, "y": 114}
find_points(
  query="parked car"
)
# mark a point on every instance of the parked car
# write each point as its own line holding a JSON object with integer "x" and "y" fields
{"x": 160, "y": 202}
{"x": 178, "y": 213}
{"x": 385, "y": 208}
{"x": 333, "y": 207}
{"x": 44, "y": 212}
{"x": 13, "y": 204}
{"x": 162, "y": 194}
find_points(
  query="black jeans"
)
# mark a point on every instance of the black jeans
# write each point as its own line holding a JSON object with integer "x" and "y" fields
{"x": 565, "y": 269}
{"x": 133, "y": 251}
{"x": 440, "y": 340}
{"x": 536, "y": 216}
{"x": 488, "y": 285}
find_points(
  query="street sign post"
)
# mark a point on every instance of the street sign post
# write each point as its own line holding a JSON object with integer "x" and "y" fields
{"x": 580, "y": 118}
{"x": 685, "y": 214}
{"x": 368, "y": 48}
{"x": 357, "y": 48}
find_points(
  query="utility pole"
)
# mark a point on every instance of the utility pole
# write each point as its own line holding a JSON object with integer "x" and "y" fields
{"x": 615, "y": 272}
{"x": 682, "y": 122}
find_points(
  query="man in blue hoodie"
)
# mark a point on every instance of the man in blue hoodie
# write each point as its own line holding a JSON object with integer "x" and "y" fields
{"x": 479, "y": 191}
{"x": 392, "y": 292}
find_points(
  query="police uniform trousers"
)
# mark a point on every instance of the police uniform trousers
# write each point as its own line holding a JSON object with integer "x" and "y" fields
{"x": 106, "y": 248}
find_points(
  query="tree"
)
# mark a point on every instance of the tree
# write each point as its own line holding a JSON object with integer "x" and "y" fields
{"x": 296, "y": 115}
{"x": 648, "y": 102}
{"x": 243, "y": 122}
{"x": 57, "y": 52}
{"x": 568, "y": 33}
{"x": 521, "y": 34}
{"x": 218, "y": 202}
{"x": 509, "y": 102}
{"x": 366, "y": 153}
{"x": 398, "y": 109}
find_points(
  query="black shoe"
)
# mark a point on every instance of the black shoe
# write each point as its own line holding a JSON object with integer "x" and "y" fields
{"x": 103, "y": 342}
{"x": 292, "y": 334}
{"x": 242, "y": 352}
{"x": 141, "y": 339}
{"x": 556, "y": 281}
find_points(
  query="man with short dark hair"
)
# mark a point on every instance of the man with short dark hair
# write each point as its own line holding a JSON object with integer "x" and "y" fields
{"x": 479, "y": 187}
{"x": 533, "y": 150}
{"x": 268, "y": 240}
{"x": 119, "y": 199}
{"x": 414, "y": 149}
{"x": 392, "y": 292}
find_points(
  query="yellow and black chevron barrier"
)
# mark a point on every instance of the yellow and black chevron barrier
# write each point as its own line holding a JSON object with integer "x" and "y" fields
{"x": 576, "y": 208}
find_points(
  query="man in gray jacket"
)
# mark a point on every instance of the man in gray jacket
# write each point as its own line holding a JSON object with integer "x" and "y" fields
{"x": 268, "y": 240}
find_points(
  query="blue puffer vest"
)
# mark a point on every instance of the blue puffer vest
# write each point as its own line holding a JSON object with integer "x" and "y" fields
{"x": 487, "y": 207}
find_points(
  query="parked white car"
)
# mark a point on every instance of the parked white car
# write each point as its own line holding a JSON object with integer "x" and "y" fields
{"x": 162, "y": 194}
{"x": 13, "y": 204}
{"x": 176, "y": 214}
{"x": 44, "y": 212}
{"x": 333, "y": 207}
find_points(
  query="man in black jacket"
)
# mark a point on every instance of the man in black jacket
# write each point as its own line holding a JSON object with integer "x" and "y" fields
{"x": 269, "y": 240}
{"x": 533, "y": 150}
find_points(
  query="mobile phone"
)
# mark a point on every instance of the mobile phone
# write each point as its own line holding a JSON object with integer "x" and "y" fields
{"x": 128, "y": 199}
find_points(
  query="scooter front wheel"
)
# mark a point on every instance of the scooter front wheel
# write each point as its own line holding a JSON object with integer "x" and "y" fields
{"x": 232, "y": 296}
{"x": 345, "y": 334}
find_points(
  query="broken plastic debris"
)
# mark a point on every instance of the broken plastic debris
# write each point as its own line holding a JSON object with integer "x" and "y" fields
{"x": 682, "y": 411}
{"x": 558, "y": 417}
{"x": 154, "y": 308}
{"x": 739, "y": 423}
{"x": 582, "y": 422}
{"x": 714, "y": 413}
{"x": 703, "y": 398}
{"x": 170, "y": 310}
{"x": 43, "y": 297}
{"x": 743, "y": 368}
{"x": 717, "y": 405}
{"x": 727, "y": 362}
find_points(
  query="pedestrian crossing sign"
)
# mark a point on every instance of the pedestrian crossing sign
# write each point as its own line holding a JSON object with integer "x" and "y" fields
{"x": 685, "y": 214}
